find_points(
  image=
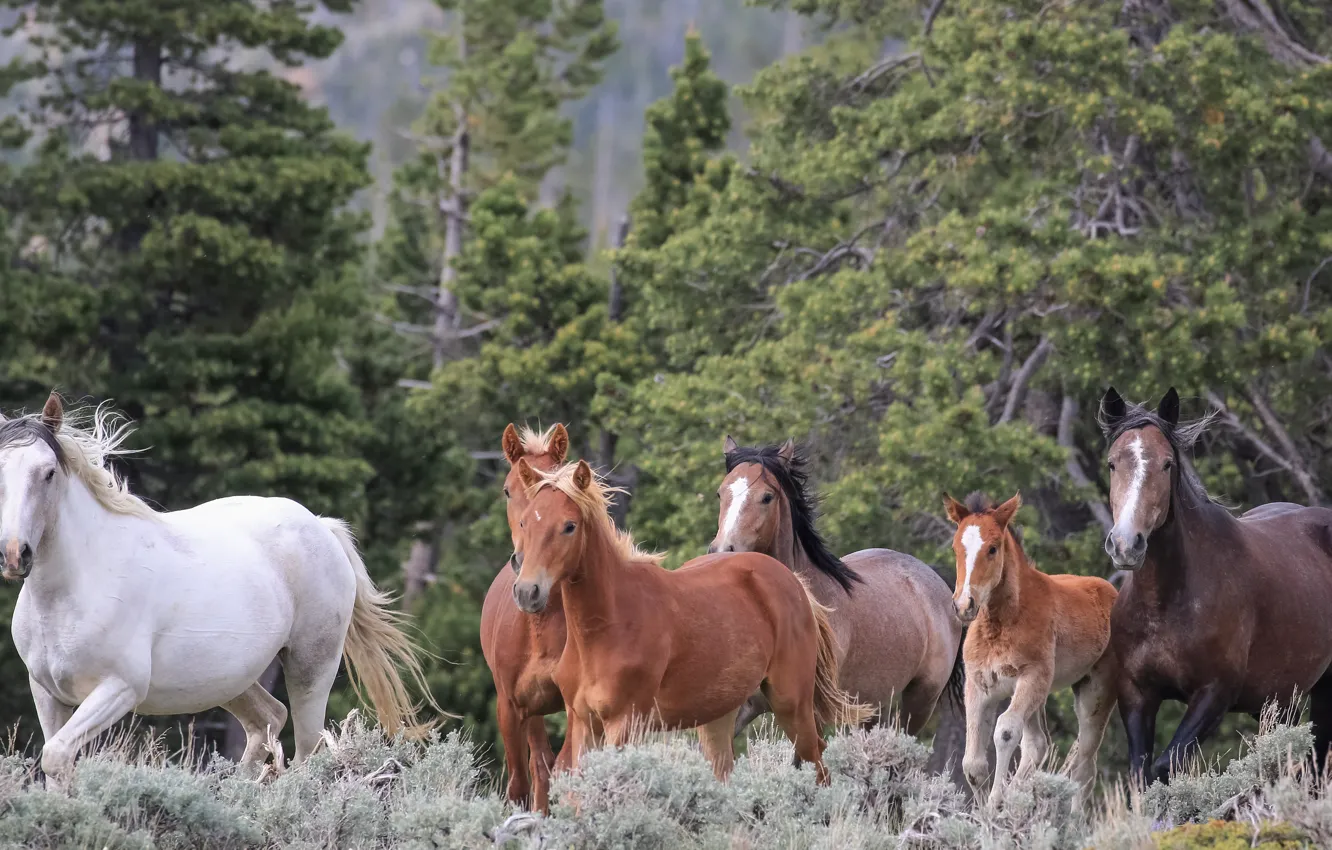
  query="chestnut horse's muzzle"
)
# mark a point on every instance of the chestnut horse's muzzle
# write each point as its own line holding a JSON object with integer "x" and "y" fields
{"x": 530, "y": 596}
{"x": 967, "y": 614}
{"x": 17, "y": 560}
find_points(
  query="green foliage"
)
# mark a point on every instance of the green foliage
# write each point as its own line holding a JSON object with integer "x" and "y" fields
{"x": 1223, "y": 835}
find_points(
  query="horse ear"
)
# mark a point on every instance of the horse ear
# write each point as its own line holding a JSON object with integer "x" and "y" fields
{"x": 513, "y": 447}
{"x": 1168, "y": 409}
{"x": 1004, "y": 513}
{"x": 728, "y": 445}
{"x": 526, "y": 473}
{"x": 559, "y": 443}
{"x": 787, "y": 451}
{"x": 956, "y": 510}
{"x": 53, "y": 413}
{"x": 1113, "y": 409}
{"x": 582, "y": 477}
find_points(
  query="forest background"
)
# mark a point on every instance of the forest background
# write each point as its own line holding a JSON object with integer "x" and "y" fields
{"x": 327, "y": 251}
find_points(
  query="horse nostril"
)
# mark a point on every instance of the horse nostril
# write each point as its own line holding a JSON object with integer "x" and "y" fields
{"x": 25, "y": 555}
{"x": 1139, "y": 541}
{"x": 730, "y": 548}
{"x": 712, "y": 550}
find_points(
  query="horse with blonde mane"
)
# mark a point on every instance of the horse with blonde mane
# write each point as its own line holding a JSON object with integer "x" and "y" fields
{"x": 523, "y": 649}
{"x": 124, "y": 609}
{"x": 671, "y": 649}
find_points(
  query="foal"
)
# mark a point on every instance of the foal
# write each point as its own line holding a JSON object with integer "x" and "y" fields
{"x": 1029, "y": 633}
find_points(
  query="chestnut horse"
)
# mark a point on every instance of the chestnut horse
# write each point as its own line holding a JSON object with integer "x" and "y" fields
{"x": 1221, "y": 612}
{"x": 523, "y": 649}
{"x": 672, "y": 649}
{"x": 892, "y": 614}
{"x": 1029, "y": 633}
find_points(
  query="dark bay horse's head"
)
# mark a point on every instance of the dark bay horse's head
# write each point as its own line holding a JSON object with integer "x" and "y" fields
{"x": 1143, "y": 459}
{"x": 766, "y": 505}
{"x": 542, "y": 451}
{"x": 980, "y": 547}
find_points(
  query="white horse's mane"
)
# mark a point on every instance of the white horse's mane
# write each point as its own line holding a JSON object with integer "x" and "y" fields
{"x": 89, "y": 438}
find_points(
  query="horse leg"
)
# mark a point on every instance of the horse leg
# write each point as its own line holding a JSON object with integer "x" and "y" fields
{"x": 982, "y": 712}
{"x": 796, "y": 718}
{"x": 754, "y": 708}
{"x": 1320, "y": 715}
{"x": 1028, "y": 698}
{"x": 719, "y": 744}
{"x": 1093, "y": 703}
{"x": 259, "y": 713}
{"x": 1035, "y": 744}
{"x": 51, "y": 712}
{"x": 309, "y": 681}
{"x": 918, "y": 701}
{"x": 1207, "y": 707}
{"x": 111, "y": 700}
{"x": 1137, "y": 710}
{"x": 540, "y": 761}
{"x": 512, "y": 733}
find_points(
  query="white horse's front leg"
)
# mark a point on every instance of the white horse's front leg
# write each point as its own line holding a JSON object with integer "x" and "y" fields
{"x": 51, "y": 712}
{"x": 108, "y": 702}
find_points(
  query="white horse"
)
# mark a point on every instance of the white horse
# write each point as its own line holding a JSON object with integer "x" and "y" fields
{"x": 125, "y": 609}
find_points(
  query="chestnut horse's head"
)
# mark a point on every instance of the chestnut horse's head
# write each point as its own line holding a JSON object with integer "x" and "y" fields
{"x": 544, "y": 452}
{"x": 1145, "y": 465}
{"x": 980, "y": 544}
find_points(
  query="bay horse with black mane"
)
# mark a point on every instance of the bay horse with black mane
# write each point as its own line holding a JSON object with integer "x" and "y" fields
{"x": 675, "y": 649}
{"x": 892, "y": 614}
{"x": 1221, "y": 612}
{"x": 523, "y": 649}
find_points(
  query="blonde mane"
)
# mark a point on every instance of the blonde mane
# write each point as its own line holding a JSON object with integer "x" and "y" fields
{"x": 594, "y": 506}
{"x": 89, "y": 439}
{"x": 536, "y": 443}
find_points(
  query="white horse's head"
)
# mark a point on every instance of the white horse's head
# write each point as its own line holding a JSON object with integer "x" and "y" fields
{"x": 33, "y": 478}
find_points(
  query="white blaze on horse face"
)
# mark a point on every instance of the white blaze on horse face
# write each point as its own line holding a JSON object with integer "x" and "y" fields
{"x": 739, "y": 493}
{"x": 971, "y": 544}
{"x": 1130, "y": 507}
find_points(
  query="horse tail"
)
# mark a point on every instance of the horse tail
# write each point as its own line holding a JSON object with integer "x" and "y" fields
{"x": 376, "y": 646}
{"x": 832, "y": 705}
{"x": 957, "y": 679}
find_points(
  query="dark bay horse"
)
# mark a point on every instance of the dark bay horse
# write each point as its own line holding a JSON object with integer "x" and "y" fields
{"x": 673, "y": 649}
{"x": 897, "y": 636}
{"x": 523, "y": 649}
{"x": 1220, "y": 612}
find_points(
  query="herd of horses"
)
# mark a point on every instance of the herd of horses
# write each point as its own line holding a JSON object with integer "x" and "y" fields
{"x": 125, "y": 609}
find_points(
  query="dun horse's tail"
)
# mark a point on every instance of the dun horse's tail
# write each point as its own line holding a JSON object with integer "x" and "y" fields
{"x": 957, "y": 680}
{"x": 832, "y": 705}
{"x": 376, "y": 646}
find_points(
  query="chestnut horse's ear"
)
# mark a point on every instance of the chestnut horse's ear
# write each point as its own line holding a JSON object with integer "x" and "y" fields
{"x": 53, "y": 413}
{"x": 1113, "y": 409}
{"x": 513, "y": 447}
{"x": 787, "y": 451}
{"x": 582, "y": 477}
{"x": 1004, "y": 513}
{"x": 526, "y": 473}
{"x": 1168, "y": 409}
{"x": 559, "y": 443}
{"x": 956, "y": 510}
{"x": 728, "y": 445}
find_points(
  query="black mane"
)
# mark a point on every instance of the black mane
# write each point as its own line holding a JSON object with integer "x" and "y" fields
{"x": 792, "y": 478}
{"x": 979, "y": 503}
{"x": 25, "y": 430}
{"x": 1181, "y": 437}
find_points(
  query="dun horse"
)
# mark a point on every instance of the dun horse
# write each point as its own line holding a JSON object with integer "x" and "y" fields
{"x": 892, "y": 614}
{"x": 125, "y": 609}
{"x": 1223, "y": 613}
{"x": 1029, "y": 633}
{"x": 676, "y": 649}
{"x": 523, "y": 649}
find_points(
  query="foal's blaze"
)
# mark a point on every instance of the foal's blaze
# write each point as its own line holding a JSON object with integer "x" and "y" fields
{"x": 1142, "y": 463}
{"x": 980, "y": 550}
{"x": 547, "y": 537}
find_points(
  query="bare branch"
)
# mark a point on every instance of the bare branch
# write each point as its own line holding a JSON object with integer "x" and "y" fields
{"x": 1298, "y": 467}
{"x": 1308, "y": 283}
{"x": 879, "y": 69}
{"x": 1235, "y": 424}
{"x": 1068, "y": 414}
{"x": 932, "y": 13}
{"x": 1018, "y": 392}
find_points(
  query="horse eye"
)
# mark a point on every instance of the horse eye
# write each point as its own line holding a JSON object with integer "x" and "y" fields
{"x": 1112, "y": 466}
{"x": 993, "y": 549}
{"x": 569, "y": 527}
{"x": 50, "y": 475}
{"x": 767, "y": 497}
{"x": 1169, "y": 465}
{"x": 506, "y": 492}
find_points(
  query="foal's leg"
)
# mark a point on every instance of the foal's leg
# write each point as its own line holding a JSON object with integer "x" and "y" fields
{"x": 1035, "y": 744}
{"x": 1207, "y": 707}
{"x": 1028, "y": 697}
{"x": 111, "y": 700}
{"x": 258, "y": 712}
{"x": 982, "y": 711}
{"x": 513, "y": 734}
{"x": 1093, "y": 702}
{"x": 719, "y": 744}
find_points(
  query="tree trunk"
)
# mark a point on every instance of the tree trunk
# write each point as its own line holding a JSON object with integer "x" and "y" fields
{"x": 454, "y": 209}
{"x": 233, "y": 740}
{"x": 603, "y": 179}
{"x": 619, "y": 509}
{"x": 418, "y": 570}
{"x": 142, "y": 128}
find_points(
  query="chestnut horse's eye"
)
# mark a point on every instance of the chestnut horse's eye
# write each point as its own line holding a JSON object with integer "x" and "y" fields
{"x": 767, "y": 497}
{"x": 993, "y": 549}
{"x": 569, "y": 527}
{"x": 506, "y": 492}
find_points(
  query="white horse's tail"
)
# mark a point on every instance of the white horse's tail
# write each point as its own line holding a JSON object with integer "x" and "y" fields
{"x": 376, "y": 646}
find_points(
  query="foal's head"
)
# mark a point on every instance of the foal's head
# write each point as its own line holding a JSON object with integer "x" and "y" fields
{"x": 979, "y": 544}
{"x": 543, "y": 452}
{"x": 1147, "y": 471}
{"x": 33, "y": 478}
